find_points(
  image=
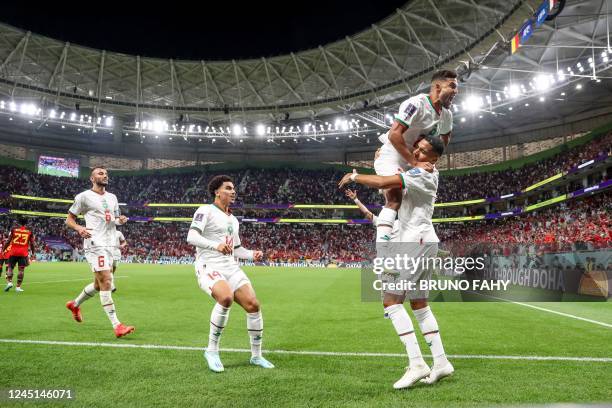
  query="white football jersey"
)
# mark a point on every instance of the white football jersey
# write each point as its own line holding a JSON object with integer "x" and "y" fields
{"x": 418, "y": 112}
{"x": 415, "y": 214}
{"x": 217, "y": 226}
{"x": 100, "y": 212}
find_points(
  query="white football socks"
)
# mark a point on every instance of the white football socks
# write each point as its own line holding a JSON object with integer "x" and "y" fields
{"x": 87, "y": 293}
{"x": 255, "y": 328}
{"x": 429, "y": 328}
{"x": 405, "y": 330}
{"x": 218, "y": 320}
{"x": 385, "y": 221}
{"x": 109, "y": 307}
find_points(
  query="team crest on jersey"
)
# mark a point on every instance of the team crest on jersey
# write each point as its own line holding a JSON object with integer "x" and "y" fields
{"x": 198, "y": 217}
{"x": 230, "y": 229}
{"x": 434, "y": 130}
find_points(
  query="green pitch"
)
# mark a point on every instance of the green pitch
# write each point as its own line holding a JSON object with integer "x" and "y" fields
{"x": 305, "y": 310}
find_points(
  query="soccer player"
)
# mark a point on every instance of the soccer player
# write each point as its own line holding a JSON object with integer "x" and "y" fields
{"x": 20, "y": 241}
{"x": 214, "y": 233}
{"x": 418, "y": 236}
{"x": 429, "y": 112}
{"x": 120, "y": 243}
{"x": 101, "y": 211}
{"x": 4, "y": 257}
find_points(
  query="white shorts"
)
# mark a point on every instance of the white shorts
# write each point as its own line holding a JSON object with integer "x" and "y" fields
{"x": 209, "y": 275}
{"x": 99, "y": 259}
{"x": 389, "y": 162}
{"x": 415, "y": 251}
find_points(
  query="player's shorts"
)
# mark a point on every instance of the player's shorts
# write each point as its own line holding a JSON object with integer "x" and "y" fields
{"x": 22, "y": 261}
{"x": 209, "y": 275}
{"x": 414, "y": 251}
{"x": 99, "y": 259}
{"x": 389, "y": 162}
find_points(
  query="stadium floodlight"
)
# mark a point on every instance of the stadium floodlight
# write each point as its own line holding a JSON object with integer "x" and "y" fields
{"x": 560, "y": 75}
{"x": 337, "y": 124}
{"x": 562, "y": 93}
{"x": 472, "y": 103}
{"x": 190, "y": 128}
{"x": 214, "y": 140}
{"x": 498, "y": 96}
{"x": 12, "y": 106}
{"x": 462, "y": 119}
{"x": 108, "y": 122}
{"x": 159, "y": 126}
{"x": 542, "y": 82}
{"x": 526, "y": 104}
{"x": 510, "y": 108}
{"x": 52, "y": 114}
{"x": 73, "y": 116}
{"x": 207, "y": 129}
{"x": 579, "y": 86}
{"x": 1, "y": 104}
{"x": 260, "y": 129}
{"x": 542, "y": 99}
{"x": 344, "y": 125}
{"x": 514, "y": 91}
{"x": 323, "y": 138}
{"x": 28, "y": 109}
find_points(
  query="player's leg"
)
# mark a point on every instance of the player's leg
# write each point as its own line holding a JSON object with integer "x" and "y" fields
{"x": 9, "y": 273}
{"x": 88, "y": 292}
{"x": 2, "y": 262}
{"x": 395, "y": 311}
{"x": 245, "y": 297}
{"x": 214, "y": 283}
{"x": 22, "y": 262}
{"x": 387, "y": 216}
{"x": 103, "y": 275}
{"x": 113, "y": 288}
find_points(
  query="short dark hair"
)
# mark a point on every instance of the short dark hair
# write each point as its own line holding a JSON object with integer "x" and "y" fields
{"x": 95, "y": 168}
{"x": 436, "y": 143}
{"x": 21, "y": 221}
{"x": 217, "y": 182}
{"x": 443, "y": 75}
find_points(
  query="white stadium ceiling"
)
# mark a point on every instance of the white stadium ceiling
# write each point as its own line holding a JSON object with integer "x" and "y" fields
{"x": 363, "y": 77}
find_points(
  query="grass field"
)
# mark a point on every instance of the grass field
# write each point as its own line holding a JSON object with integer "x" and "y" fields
{"x": 305, "y": 310}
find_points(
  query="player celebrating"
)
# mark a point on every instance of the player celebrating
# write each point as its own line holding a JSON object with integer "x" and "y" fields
{"x": 101, "y": 211}
{"x": 428, "y": 112}
{"x": 352, "y": 194}
{"x": 214, "y": 233}
{"x": 20, "y": 240}
{"x": 418, "y": 235}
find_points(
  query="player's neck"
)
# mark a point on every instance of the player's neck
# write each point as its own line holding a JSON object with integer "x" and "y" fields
{"x": 435, "y": 101}
{"x": 98, "y": 189}
{"x": 221, "y": 206}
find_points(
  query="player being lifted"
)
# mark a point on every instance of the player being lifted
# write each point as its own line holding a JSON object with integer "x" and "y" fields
{"x": 429, "y": 112}
{"x": 214, "y": 233}
{"x": 101, "y": 211}
{"x": 419, "y": 240}
{"x": 20, "y": 241}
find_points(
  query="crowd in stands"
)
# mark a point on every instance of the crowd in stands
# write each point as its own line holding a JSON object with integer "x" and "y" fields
{"x": 574, "y": 225}
{"x": 293, "y": 185}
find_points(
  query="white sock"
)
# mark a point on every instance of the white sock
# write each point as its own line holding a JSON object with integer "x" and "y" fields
{"x": 429, "y": 328}
{"x": 255, "y": 328}
{"x": 112, "y": 282}
{"x": 87, "y": 293}
{"x": 218, "y": 320}
{"x": 386, "y": 218}
{"x": 109, "y": 307}
{"x": 404, "y": 328}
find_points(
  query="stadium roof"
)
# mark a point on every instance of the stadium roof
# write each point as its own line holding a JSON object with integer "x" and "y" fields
{"x": 362, "y": 77}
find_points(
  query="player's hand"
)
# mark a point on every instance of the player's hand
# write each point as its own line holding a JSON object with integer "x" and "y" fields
{"x": 350, "y": 194}
{"x": 122, "y": 219}
{"x": 257, "y": 256}
{"x": 225, "y": 249}
{"x": 346, "y": 179}
{"x": 428, "y": 167}
{"x": 124, "y": 245}
{"x": 83, "y": 232}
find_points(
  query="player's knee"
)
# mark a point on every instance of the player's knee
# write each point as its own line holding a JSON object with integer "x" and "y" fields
{"x": 225, "y": 300}
{"x": 252, "y": 306}
{"x": 418, "y": 304}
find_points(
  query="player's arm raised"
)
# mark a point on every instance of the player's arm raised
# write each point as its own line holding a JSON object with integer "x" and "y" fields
{"x": 353, "y": 196}
{"x": 370, "y": 180}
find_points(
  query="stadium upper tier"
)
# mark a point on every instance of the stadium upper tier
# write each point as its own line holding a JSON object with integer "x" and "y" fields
{"x": 295, "y": 185}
